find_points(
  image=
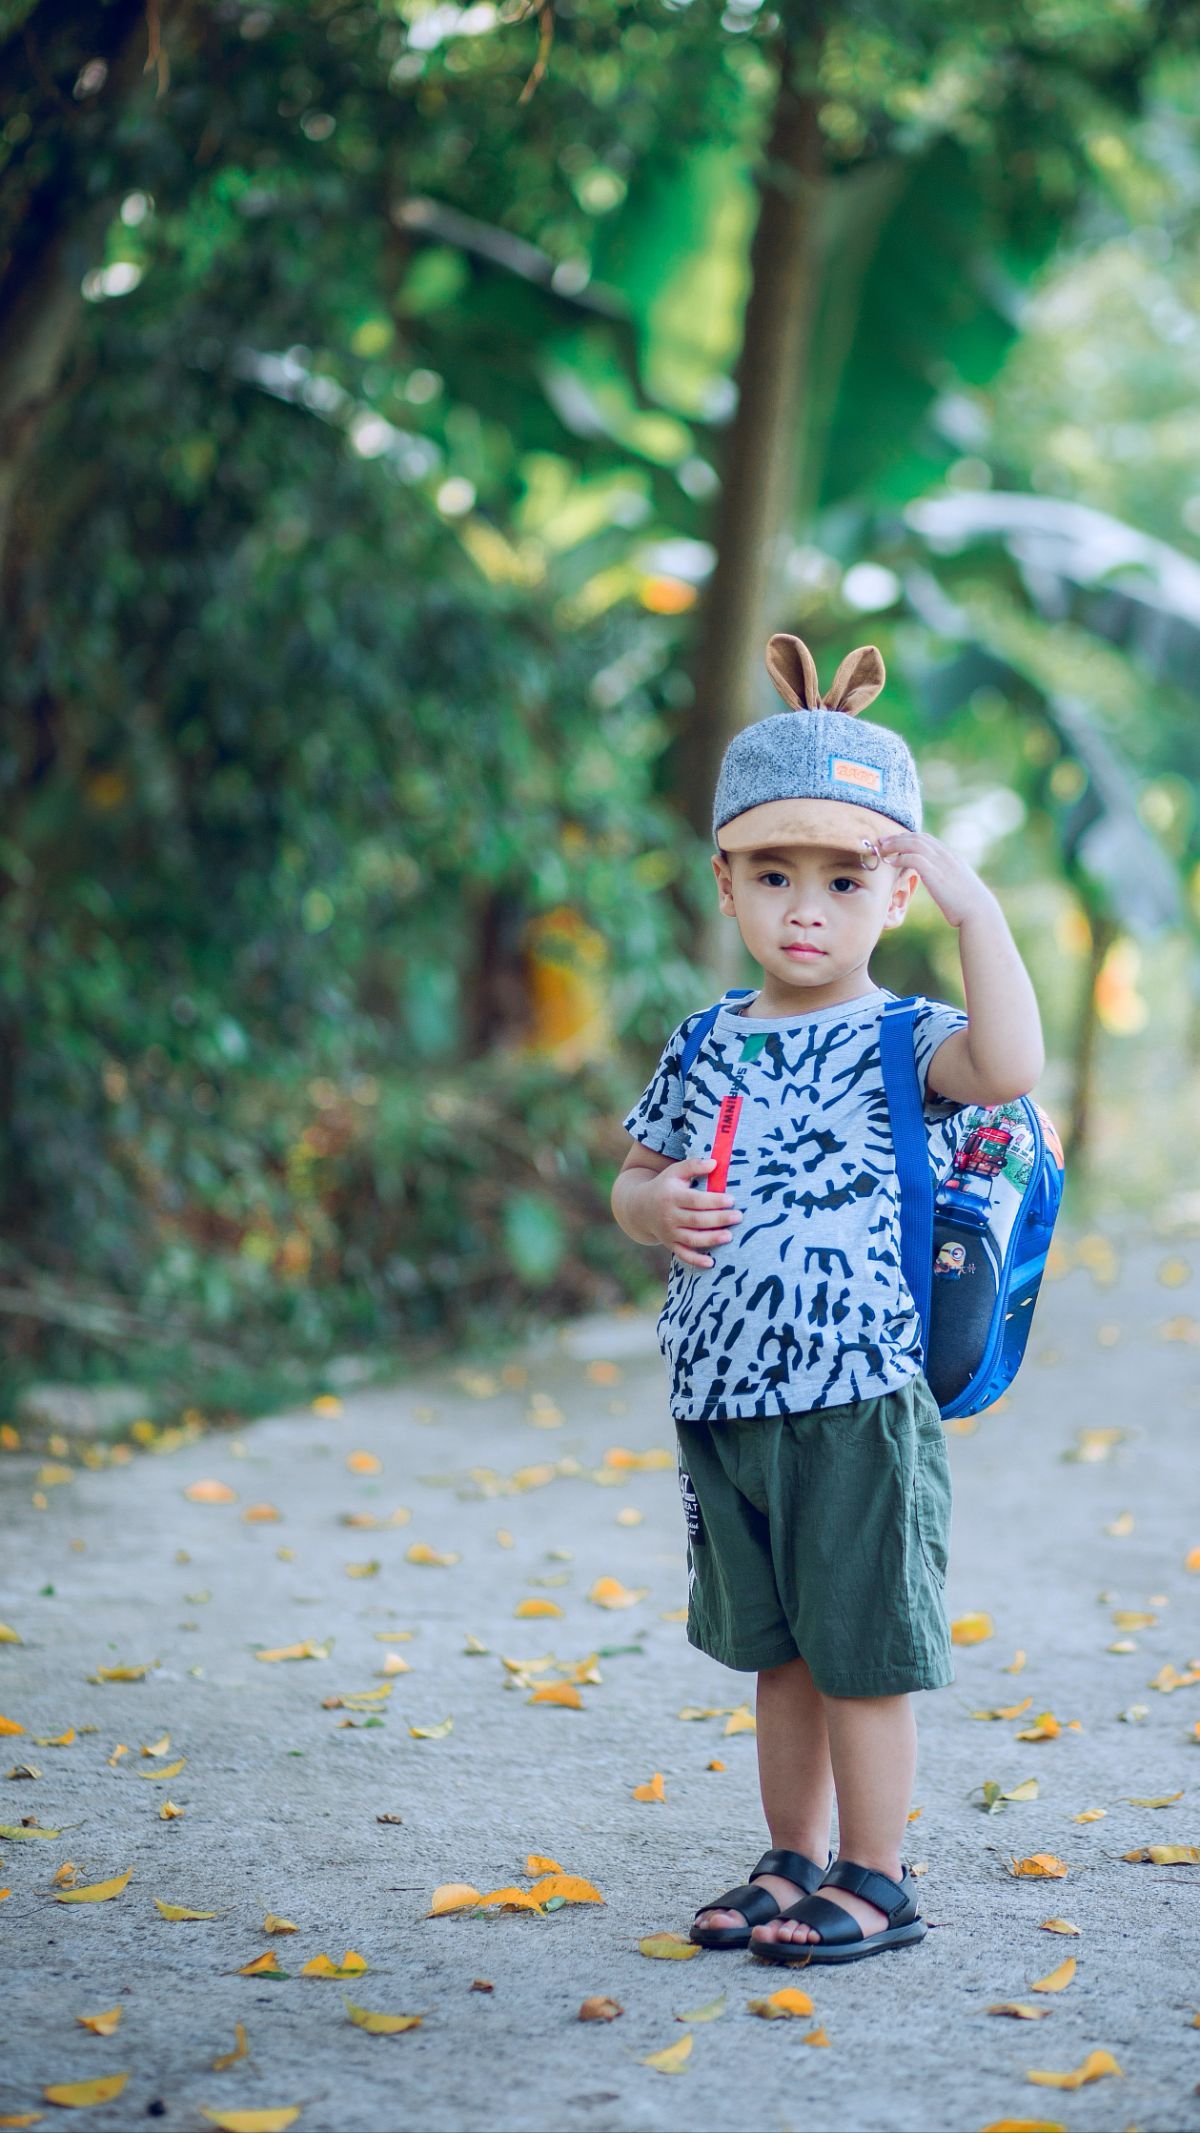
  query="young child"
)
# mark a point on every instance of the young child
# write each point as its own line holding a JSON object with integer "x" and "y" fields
{"x": 811, "y": 1455}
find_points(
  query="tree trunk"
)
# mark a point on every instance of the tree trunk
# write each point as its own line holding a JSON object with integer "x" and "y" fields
{"x": 49, "y": 212}
{"x": 759, "y": 454}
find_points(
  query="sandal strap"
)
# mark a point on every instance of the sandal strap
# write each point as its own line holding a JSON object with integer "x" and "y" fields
{"x": 831, "y": 1920}
{"x": 790, "y": 1866}
{"x": 756, "y": 1905}
{"x": 893, "y": 1898}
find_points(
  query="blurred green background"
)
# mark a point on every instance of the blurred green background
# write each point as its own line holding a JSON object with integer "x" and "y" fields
{"x": 413, "y": 418}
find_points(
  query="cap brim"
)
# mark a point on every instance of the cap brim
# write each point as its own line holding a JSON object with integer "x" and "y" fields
{"x": 838, "y": 823}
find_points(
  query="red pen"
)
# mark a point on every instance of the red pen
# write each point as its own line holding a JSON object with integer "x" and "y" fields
{"x": 728, "y": 1115}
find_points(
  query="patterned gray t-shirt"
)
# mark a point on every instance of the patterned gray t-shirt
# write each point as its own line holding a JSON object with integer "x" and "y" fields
{"x": 806, "y": 1306}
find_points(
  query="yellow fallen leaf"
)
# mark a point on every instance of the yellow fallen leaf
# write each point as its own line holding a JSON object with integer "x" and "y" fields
{"x": 380, "y": 2025}
{"x": 510, "y": 1899}
{"x": 16, "y": 1832}
{"x": 1057, "y": 1980}
{"x": 1005, "y": 1710}
{"x": 169, "y": 1770}
{"x": 1091, "y": 1814}
{"x": 674, "y": 1614}
{"x": 1026, "y": 1790}
{"x": 600, "y": 2009}
{"x": 708, "y": 2013}
{"x": 10, "y": 1726}
{"x": 119, "y": 1673}
{"x": 264, "y": 1965}
{"x": 326, "y": 1403}
{"x": 972, "y": 1629}
{"x": 361, "y": 1699}
{"x": 273, "y": 1923}
{"x": 364, "y": 1463}
{"x": 364, "y": 1570}
{"x": 1121, "y": 1525}
{"x": 8, "y": 1635}
{"x": 1121, "y": 1644}
{"x": 789, "y": 2001}
{"x": 740, "y": 1721}
{"x": 1020, "y": 2010}
{"x": 394, "y": 1664}
{"x": 21, "y": 2118}
{"x": 276, "y": 2121}
{"x": 241, "y": 2047}
{"x": 180, "y": 1910}
{"x": 673, "y": 2059}
{"x": 526, "y": 1608}
{"x": 651, "y": 1462}
{"x": 67, "y": 1875}
{"x": 1040, "y": 1866}
{"x": 351, "y": 1965}
{"x": 653, "y": 1790}
{"x": 1133, "y": 1618}
{"x": 54, "y": 1740}
{"x": 1165, "y": 1855}
{"x": 1047, "y": 1727}
{"x": 452, "y": 1896}
{"x": 432, "y": 1732}
{"x": 1192, "y": 1559}
{"x": 1094, "y": 2068}
{"x": 1057, "y": 1925}
{"x": 610, "y": 1592}
{"x": 1025, "y": 2125}
{"x": 536, "y": 1863}
{"x": 393, "y": 1636}
{"x": 101, "y": 2025}
{"x": 1164, "y": 1799}
{"x": 310, "y": 1649}
{"x": 24, "y": 1770}
{"x": 82, "y": 2095}
{"x": 168, "y": 1812}
{"x": 420, "y": 1552}
{"x": 668, "y": 1947}
{"x": 260, "y": 1514}
{"x": 815, "y": 2036}
{"x": 714, "y": 1765}
{"x": 4, "y": 1893}
{"x": 117, "y": 1753}
{"x": 210, "y": 1492}
{"x": 98, "y": 1891}
{"x": 1016, "y": 1666}
{"x": 563, "y": 1692}
{"x": 571, "y": 1887}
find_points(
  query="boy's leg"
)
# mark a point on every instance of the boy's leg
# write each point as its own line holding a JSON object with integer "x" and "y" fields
{"x": 873, "y": 1751}
{"x": 795, "y": 1775}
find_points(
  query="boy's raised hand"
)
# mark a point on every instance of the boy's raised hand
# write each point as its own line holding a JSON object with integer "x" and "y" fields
{"x": 685, "y": 1220}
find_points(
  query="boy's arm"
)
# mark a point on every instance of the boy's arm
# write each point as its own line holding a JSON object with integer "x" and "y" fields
{"x": 1000, "y": 1054}
{"x": 640, "y": 1166}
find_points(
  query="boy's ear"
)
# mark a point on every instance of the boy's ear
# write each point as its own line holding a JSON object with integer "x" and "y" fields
{"x": 792, "y": 668}
{"x": 857, "y": 682}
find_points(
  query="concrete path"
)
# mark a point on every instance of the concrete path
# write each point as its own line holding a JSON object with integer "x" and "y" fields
{"x": 347, "y": 1828}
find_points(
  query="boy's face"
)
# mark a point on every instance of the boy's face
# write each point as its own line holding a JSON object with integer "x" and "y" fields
{"x": 816, "y": 896}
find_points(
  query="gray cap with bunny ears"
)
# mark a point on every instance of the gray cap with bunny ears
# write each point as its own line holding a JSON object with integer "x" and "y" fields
{"x": 776, "y": 771}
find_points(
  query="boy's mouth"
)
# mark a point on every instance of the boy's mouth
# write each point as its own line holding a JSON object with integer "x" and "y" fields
{"x": 801, "y": 948}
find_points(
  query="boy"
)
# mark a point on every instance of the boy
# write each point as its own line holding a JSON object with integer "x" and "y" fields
{"x": 811, "y": 1455}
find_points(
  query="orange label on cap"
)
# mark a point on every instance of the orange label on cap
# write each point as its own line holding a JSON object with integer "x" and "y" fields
{"x": 856, "y": 773}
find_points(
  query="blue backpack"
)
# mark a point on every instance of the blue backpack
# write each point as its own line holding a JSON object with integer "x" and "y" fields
{"x": 973, "y": 1249}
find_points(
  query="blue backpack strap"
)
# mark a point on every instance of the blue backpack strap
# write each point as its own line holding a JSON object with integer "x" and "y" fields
{"x": 703, "y": 1026}
{"x": 907, "y": 1113}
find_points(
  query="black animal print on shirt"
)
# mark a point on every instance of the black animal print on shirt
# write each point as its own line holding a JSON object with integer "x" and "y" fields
{"x": 807, "y": 1305}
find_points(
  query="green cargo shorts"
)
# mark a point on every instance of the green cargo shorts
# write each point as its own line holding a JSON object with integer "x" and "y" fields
{"x": 823, "y": 1536}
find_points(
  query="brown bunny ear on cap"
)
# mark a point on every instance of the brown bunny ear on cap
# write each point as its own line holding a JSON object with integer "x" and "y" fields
{"x": 791, "y": 667}
{"x": 857, "y": 682}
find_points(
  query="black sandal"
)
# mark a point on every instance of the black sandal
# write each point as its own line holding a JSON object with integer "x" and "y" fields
{"x": 757, "y": 1905}
{"x": 843, "y": 1938}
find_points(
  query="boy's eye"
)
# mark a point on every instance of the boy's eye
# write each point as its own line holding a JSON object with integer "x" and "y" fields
{"x": 841, "y": 881}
